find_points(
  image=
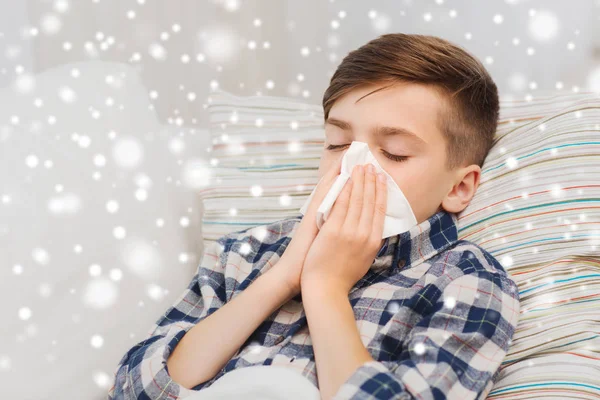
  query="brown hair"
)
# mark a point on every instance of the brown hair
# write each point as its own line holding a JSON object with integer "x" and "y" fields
{"x": 470, "y": 118}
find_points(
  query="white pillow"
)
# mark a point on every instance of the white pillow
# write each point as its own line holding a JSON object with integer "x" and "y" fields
{"x": 536, "y": 210}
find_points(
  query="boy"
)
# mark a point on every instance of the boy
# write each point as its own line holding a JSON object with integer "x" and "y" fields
{"x": 419, "y": 315}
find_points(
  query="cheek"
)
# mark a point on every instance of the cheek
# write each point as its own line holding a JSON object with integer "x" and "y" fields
{"x": 329, "y": 159}
{"x": 410, "y": 188}
{"x": 411, "y": 176}
{"x": 415, "y": 182}
{"x": 325, "y": 163}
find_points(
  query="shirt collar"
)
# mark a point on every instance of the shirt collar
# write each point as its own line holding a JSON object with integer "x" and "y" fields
{"x": 419, "y": 243}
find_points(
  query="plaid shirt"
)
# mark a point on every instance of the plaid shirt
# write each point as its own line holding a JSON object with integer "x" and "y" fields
{"x": 436, "y": 313}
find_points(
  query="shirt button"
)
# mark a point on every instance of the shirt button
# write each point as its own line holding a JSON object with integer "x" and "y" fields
{"x": 401, "y": 263}
{"x": 279, "y": 339}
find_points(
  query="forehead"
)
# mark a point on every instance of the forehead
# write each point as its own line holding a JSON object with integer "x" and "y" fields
{"x": 410, "y": 106}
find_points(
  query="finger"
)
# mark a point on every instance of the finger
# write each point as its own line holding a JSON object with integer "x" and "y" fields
{"x": 380, "y": 205}
{"x": 339, "y": 209}
{"x": 356, "y": 198}
{"x": 368, "y": 209}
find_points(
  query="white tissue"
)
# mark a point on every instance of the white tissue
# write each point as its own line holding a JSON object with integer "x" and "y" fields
{"x": 399, "y": 216}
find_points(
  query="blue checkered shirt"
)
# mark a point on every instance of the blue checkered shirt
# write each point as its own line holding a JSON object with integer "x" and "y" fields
{"x": 436, "y": 313}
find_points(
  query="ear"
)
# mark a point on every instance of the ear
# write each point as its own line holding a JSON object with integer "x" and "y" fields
{"x": 465, "y": 185}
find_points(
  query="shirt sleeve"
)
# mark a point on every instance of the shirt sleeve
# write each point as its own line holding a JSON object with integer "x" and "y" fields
{"x": 453, "y": 352}
{"x": 142, "y": 372}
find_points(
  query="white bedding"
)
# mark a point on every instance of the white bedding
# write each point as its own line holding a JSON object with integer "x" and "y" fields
{"x": 261, "y": 382}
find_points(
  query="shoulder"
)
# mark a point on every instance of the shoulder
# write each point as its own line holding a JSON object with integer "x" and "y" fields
{"x": 259, "y": 238}
{"x": 267, "y": 233}
{"x": 467, "y": 258}
{"x": 472, "y": 258}
{"x": 481, "y": 282}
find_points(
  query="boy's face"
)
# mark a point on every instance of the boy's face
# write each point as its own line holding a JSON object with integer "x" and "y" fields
{"x": 422, "y": 176}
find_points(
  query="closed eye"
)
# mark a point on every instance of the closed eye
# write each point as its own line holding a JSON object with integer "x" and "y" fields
{"x": 385, "y": 153}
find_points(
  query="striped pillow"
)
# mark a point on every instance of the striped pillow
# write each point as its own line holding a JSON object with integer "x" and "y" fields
{"x": 265, "y": 156}
{"x": 537, "y": 210}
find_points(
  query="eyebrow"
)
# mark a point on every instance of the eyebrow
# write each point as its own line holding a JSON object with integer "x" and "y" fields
{"x": 379, "y": 130}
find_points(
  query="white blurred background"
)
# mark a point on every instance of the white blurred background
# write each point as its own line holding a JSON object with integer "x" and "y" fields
{"x": 104, "y": 143}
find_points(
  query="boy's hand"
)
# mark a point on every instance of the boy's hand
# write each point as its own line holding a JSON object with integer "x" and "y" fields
{"x": 292, "y": 260}
{"x": 349, "y": 240}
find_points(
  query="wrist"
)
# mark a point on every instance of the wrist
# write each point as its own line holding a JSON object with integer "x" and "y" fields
{"x": 281, "y": 278}
{"x": 321, "y": 286}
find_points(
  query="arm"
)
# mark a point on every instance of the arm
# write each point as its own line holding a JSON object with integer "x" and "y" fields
{"x": 218, "y": 337}
{"x": 454, "y": 352}
{"x": 336, "y": 341}
{"x": 198, "y": 334}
